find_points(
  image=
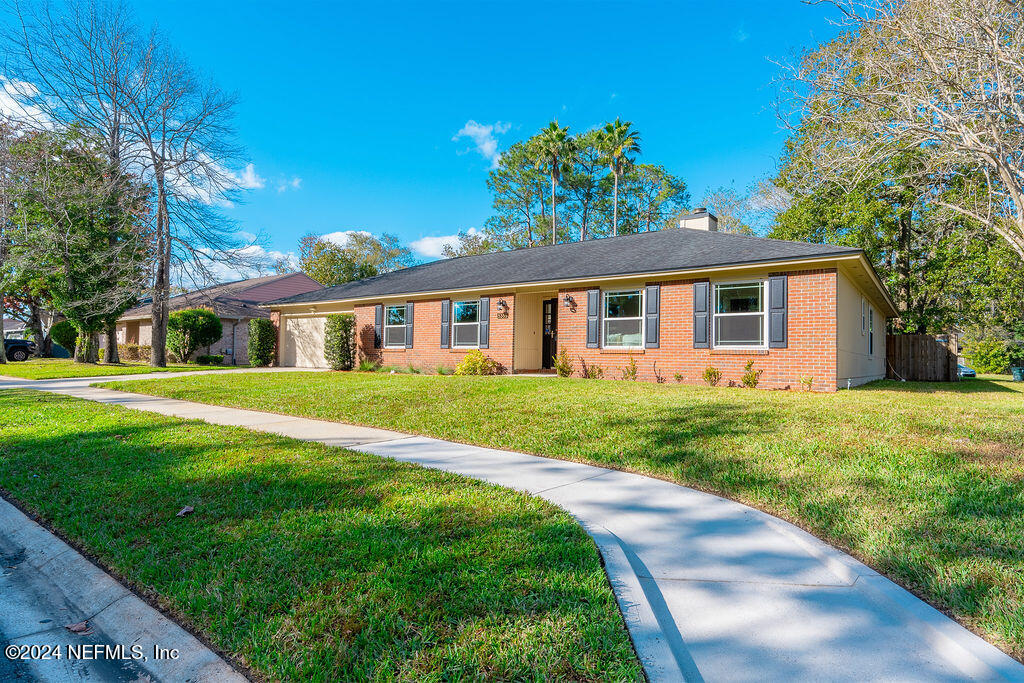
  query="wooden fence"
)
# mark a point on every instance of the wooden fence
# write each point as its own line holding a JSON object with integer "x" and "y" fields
{"x": 922, "y": 357}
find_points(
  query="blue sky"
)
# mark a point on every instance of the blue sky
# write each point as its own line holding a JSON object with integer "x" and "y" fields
{"x": 350, "y": 114}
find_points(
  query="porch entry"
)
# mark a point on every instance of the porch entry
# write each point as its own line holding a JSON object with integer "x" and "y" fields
{"x": 549, "y": 325}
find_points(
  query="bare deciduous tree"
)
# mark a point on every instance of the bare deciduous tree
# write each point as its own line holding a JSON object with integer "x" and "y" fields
{"x": 943, "y": 77}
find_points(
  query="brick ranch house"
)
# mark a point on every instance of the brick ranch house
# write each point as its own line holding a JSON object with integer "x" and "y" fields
{"x": 676, "y": 301}
{"x": 235, "y": 303}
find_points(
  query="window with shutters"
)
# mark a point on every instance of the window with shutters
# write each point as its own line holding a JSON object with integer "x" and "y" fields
{"x": 394, "y": 327}
{"x": 623, "y": 320}
{"x": 739, "y": 315}
{"x": 466, "y": 324}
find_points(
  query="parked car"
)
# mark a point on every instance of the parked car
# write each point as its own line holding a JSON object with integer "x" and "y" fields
{"x": 964, "y": 371}
{"x": 19, "y": 349}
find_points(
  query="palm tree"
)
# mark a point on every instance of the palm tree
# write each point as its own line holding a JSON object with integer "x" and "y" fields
{"x": 619, "y": 140}
{"x": 554, "y": 151}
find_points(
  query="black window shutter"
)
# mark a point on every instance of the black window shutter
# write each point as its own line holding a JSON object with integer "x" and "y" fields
{"x": 652, "y": 317}
{"x": 701, "y": 314}
{"x": 378, "y": 326}
{"x": 408, "y": 325}
{"x": 446, "y": 307}
{"x": 593, "y": 318}
{"x": 777, "y": 313}
{"x": 485, "y": 321}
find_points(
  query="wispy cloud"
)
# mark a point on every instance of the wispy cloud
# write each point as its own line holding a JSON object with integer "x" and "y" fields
{"x": 433, "y": 247}
{"x": 248, "y": 179}
{"x": 340, "y": 237}
{"x": 484, "y": 138}
{"x": 16, "y": 103}
{"x": 740, "y": 34}
{"x": 293, "y": 183}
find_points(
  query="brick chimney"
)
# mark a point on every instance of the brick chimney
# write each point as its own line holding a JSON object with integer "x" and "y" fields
{"x": 700, "y": 219}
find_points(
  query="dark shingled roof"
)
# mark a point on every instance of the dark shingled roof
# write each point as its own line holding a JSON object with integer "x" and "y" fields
{"x": 648, "y": 252}
{"x": 240, "y": 299}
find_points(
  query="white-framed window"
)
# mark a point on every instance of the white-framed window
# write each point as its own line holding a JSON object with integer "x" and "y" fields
{"x": 394, "y": 327}
{"x": 871, "y": 331}
{"x": 623, "y": 320}
{"x": 863, "y": 316}
{"x": 739, "y": 315}
{"x": 466, "y": 324}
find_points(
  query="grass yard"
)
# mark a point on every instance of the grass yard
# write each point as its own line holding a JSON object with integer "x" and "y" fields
{"x": 924, "y": 482}
{"x": 55, "y": 368}
{"x": 308, "y": 562}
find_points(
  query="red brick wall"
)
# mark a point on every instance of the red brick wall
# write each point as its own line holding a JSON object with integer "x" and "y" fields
{"x": 811, "y": 338}
{"x": 811, "y": 347}
{"x": 426, "y": 352}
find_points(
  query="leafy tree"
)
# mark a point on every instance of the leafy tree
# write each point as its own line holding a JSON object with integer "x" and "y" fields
{"x": 586, "y": 185}
{"x": 328, "y": 263}
{"x": 619, "y": 140}
{"x": 989, "y": 355}
{"x": 554, "y": 151}
{"x": 657, "y": 195}
{"x": 472, "y": 243}
{"x": 190, "y": 330}
{"x": 262, "y": 342}
{"x": 517, "y": 188}
{"x": 65, "y": 334}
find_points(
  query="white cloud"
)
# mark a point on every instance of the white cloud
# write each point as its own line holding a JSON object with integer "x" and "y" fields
{"x": 483, "y": 136}
{"x": 248, "y": 179}
{"x": 740, "y": 34}
{"x": 247, "y": 262}
{"x": 284, "y": 185}
{"x": 340, "y": 237}
{"x": 16, "y": 102}
{"x": 432, "y": 247}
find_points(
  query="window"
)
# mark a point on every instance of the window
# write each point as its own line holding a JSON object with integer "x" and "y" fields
{"x": 739, "y": 314}
{"x": 394, "y": 326}
{"x": 466, "y": 323}
{"x": 871, "y": 331}
{"x": 623, "y": 319}
{"x": 863, "y": 316}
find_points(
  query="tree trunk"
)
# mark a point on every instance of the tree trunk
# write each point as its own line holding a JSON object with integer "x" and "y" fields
{"x": 161, "y": 281}
{"x": 3, "y": 351}
{"x": 35, "y": 323}
{"x": 87, "y": 348}
{"x": 110, "y": 354}
{"x": 615, "y": 206}
{"x": 554, "y": 212}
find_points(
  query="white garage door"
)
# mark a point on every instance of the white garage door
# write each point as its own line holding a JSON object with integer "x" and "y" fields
{"x": 303, "y": 343}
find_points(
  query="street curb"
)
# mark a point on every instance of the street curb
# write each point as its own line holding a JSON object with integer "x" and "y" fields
{"x": 110, "y": 608}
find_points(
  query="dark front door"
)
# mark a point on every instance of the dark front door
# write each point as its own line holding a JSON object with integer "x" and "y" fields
{"x": 550, "y": 341}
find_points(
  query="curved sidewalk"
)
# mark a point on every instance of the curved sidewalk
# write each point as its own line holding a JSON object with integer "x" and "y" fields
{"x": 710, "y": 589}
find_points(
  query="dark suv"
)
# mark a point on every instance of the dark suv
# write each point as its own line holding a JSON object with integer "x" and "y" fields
{"x": 19, "y": 349}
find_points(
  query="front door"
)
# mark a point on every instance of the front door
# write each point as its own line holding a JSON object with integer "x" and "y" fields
{"x": 550, "y": 340}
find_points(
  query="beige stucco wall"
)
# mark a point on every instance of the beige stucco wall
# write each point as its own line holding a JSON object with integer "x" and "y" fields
{"x": 854, "y": 362}
{"x": 302, "y": 341}
{"x": 527, "y": 340}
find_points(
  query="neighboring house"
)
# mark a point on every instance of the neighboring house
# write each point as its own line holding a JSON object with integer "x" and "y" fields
{"x": 235, "y": 303}
{"x": 13, "y": 329}
{"x": 676, "y": 301}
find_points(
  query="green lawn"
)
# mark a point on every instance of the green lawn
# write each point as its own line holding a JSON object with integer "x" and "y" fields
{"x": 921, "y": 481}
{"x": 54, "y": 368}
{"x": 308, "y": 562}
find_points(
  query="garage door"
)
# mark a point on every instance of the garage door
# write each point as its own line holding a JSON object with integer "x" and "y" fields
{"x": 303, "y": 345}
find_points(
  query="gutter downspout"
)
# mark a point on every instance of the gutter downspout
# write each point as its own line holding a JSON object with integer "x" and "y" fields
{"x": 234, "y": 352}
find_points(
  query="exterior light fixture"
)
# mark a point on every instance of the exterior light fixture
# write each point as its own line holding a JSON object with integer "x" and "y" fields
{"x": 570, "y": 303}
{"x": 502, "y": 306}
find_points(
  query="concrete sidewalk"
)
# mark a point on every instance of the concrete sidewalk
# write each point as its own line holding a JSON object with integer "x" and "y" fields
{"x": 711, "y": 589}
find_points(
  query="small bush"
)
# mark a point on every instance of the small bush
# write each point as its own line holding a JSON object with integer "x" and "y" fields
{"x": 340, "y": 341}
{"x": 679, "y": 377}
{"x": 989, "y": 355}
{"x": 210, "y": 359}
{"x": 712, "y": 376}
{"x": 134, "y": 352}
{"x": 631, "y": 371}
{"x": 807, "y": 383}
{"x": 750, "y": 376}
{"x": 192, "y": 329}
{"x": 590, "y": 371}
{"x": 413, "y": 370}
{"x": 102, "y": 354}
{"x": 1015, "y": 353}
{"x": 563, "y": 363}
{"x": 262, "y": 342}
{"x": 65, "y": 334}
{"x": 443, "y": 370}
{"x": 367, "y": 365}
{"x": 476, "y": 363}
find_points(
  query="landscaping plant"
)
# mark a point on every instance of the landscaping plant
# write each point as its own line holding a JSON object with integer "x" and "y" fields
{"x": 65, "y": 334}
{"x": 807, "y": 383}
{"x": 750, "y": 376}
{"x": 262, "y": 342}
{"x": 989, "y": 355}
{"x": 631, "y": 370}
{"x": 367, "y": 365}
{"x": 190, "y": 330}
{"x": 563, "y": 363}
{"x": 712, "y": 376}
{"x": 210, "y": 359}
{"x": 476, "y": 363}
{"x": 340, "y": 341}
{"x": 592, "y": 371}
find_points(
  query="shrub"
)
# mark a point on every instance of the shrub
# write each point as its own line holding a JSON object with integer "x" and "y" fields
{"x": 807, "y": 383}
{"x": 630, "y": 371}
{"x": 590, "y": 371}
{"x": 750, "y": 376}
{"x": 679, "y": 377}
{"x": 443, "y": 370}
{"x": 563, "y": 363}
{"x": 1016, "y": 354}
{"x": 712, "y": 376}
{"x": 367, "y": 365}
{"x": 262, "y": 342}
{"x": 102, "y": 354}
{"x": 476, "y": 363}
{"x": 191, "y": 329}
{"x": 210, "y": 359}
{"x": 413, "y": 370}
{"x": 65, "y": 334}
{"x": 989, "y": 355}
{"x": 135, "y": 352}
{"x": 340, "y": 341}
